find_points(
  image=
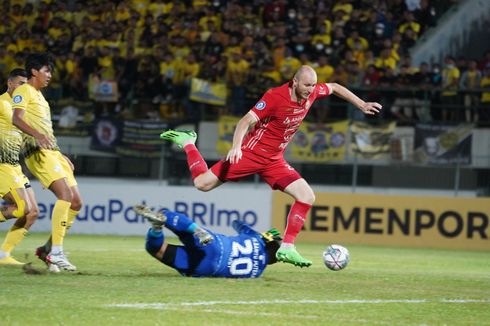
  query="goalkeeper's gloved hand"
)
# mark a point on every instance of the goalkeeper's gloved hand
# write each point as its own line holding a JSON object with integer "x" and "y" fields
{"x": 271, "y": 235}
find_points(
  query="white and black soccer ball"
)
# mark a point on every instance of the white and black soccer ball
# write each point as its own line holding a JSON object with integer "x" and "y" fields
{"x": 336, "y": 257}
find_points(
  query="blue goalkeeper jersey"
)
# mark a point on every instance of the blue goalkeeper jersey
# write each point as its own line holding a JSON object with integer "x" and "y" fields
{"x": 240, "y": 256}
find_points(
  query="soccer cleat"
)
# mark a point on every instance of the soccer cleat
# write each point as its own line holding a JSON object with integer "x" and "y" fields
{"x": 291, "y": 256}
{"x": 180, "y": 137}
{"x": 41, "y": 253}
{"x": 60, "y": 261}
{"x": 203, "y": 236}
{"x": 53, "y": 268}
{"x": 9, "y": 260}
{"x": 156, "y": 219}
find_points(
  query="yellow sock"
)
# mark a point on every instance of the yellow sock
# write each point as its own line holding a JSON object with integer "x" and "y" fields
{"x": 71, "y": 218}
{"x": 2, "y": 218}
{"x": 59, "y": 221}
{"x": 13, "y": 238}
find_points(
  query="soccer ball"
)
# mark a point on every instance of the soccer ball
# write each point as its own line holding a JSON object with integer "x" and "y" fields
{"x": 336, "y": 257}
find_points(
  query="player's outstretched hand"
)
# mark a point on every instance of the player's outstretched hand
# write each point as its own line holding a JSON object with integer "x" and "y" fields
{"x": 234, "y": 155}
{"x": 371, "y": 108}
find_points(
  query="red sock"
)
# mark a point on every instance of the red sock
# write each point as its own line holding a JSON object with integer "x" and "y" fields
{"x": 196, "y": 163}
{"x": 296, "y": 219}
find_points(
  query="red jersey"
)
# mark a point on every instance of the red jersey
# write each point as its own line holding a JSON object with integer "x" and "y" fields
{"x": 278, "y": 120}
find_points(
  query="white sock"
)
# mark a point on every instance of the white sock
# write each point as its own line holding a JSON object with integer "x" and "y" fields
{"x": 285, "y": 245}
{"x": 56, "y": 250}
{"x": 3, "y": 254}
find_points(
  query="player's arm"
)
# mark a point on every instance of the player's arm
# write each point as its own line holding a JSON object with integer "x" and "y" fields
{"x": 245, "y": 123}
{"x": 366, "y": 107}
{"x": 18, "y": 120}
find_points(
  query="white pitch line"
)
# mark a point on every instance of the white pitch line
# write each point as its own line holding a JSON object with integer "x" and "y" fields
{"x": 273, "y": 302}
{"x": 235, "y": 312}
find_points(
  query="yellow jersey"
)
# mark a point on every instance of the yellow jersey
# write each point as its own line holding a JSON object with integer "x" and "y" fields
{"x": 11, "y": 140}
{"x": 37, "y": 115}
{"x": 485, "y": 84}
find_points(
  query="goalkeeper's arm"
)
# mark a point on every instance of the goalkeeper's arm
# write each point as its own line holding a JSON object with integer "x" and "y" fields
{"x": 243, "y": 228}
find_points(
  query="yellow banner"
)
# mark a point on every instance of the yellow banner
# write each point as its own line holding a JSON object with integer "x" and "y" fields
{"x": 204, "y": 91}
{"x": 372, "y": 141}
{"x": 226, "y": 128}
{"x": 437, "y": 222}
{"x": 315, "y": 142}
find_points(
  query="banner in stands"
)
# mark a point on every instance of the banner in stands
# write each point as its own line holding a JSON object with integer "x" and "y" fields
{"x": 226, "y": 128}
{"x": 443, "y": 144}
{"x": 103, "y": 90}
{"x": 371, "y": 141}
{"x": 131, "y": 138}
{"x": 204, "y": 91}
{"x": 438, "y": 222}
{"x": 107, "y": 207}
{"x": 314, "y": 142}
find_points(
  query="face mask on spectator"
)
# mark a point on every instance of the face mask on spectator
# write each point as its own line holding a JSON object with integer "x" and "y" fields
{"x": 319, "y": 46}
{"x": 292, "y": 14}
{"x": 300, "y": 47}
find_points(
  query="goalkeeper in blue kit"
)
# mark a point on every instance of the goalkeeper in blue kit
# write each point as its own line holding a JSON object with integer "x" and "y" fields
{"x": 205, "y": 253}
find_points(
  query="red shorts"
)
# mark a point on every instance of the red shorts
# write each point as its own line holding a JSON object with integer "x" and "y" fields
{"x": 277, "y": 173}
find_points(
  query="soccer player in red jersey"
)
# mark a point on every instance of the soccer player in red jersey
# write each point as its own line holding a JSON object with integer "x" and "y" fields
{"x": 272, "y": 122}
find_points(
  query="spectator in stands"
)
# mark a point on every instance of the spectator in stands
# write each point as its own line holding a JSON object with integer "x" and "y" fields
{"x": 483, "y": 64}
{"x": 315, "y": 28}
{"x": 449, "y": 94}
{"x": 236, "y": 77}
{"x": 385, "y": 60}
{"x": 422, "y": 80}
{"x": 289, "y": 65}
{"x": 370, "y": 81}
{"x": 469, "y": 84}
{"x": 405, "y": 108}
{"x": 484, "y": 107}
{"x": 386, "y": 94}
{"x": 436, "y": 82}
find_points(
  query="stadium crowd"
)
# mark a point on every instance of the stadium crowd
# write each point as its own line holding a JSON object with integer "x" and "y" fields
{"x": 152, "y": 50}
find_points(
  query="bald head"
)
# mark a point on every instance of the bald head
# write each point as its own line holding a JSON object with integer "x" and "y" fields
{"x": 304, "y": 82}
{"x": 305, "y": 73}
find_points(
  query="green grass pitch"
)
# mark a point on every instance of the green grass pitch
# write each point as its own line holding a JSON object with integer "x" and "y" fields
{"x": 119, "y": 284}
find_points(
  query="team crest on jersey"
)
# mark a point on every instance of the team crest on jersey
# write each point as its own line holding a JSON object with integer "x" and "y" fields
{"x": 17, "y": 99}
{"x": 260, "y": 105}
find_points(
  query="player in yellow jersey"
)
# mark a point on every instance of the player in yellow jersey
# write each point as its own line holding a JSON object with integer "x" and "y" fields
{"x": 43, "y": 158}
{"x": 14, "y": 185}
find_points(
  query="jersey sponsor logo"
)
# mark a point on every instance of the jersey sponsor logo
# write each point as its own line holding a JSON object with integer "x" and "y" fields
{"x": 293, "y": 120}
{"x": 17, "y": 99}
{"x": 260, "y": 105}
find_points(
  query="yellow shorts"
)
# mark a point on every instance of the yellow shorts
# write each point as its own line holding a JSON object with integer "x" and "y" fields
{"x": 48, "y": 166}
{"x": 11, "y": 177}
